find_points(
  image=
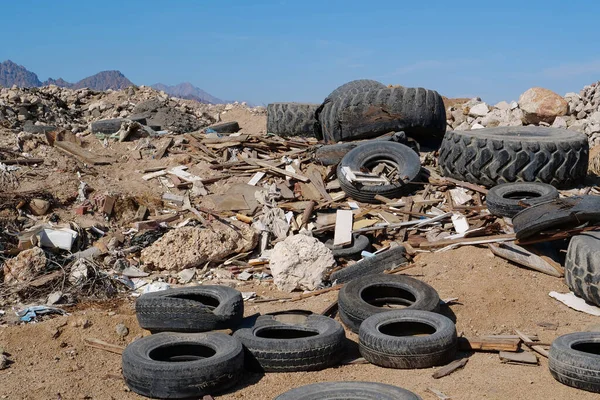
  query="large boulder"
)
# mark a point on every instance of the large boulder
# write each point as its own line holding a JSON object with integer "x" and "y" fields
{"x": 541, "y": 105}
{"x": 300, "y": 262}
{"x": 190, "y": 246}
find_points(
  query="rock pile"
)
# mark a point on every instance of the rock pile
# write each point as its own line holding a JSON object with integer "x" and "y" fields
{"x": 25, "y": 108}
{"x": 537, "y": 106}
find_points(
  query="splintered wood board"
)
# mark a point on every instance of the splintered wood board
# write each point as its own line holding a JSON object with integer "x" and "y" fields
{"x": 82, "y": 154}
{"x": 343, "y": 228}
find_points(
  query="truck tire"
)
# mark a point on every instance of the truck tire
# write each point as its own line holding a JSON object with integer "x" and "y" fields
{"x": 275, "y": 346}
{"x": 493, "y": 156}
{"x": 190, "y": 309}
{"x": 292, "y": 119}
{"x": 376, "y": 264}
{"x": 348, "y": 391}
{"x": 419, "y": 112}
{"x": 582, "y": 266}
{"x": 574, "y": 360}
{"x": 367, "y": 296}
{"x": 508, "y": 199}
{"x": 181, "y": 366}
{"x": 408, "y": 339}
{"x": 569, "y": 211}
{"x": 366, "y": 156}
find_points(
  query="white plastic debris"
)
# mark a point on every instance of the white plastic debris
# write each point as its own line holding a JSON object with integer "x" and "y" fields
{"x": 460, "y": 222}
{"x": 156, "y": 287}
{"x": 576, "y": 303}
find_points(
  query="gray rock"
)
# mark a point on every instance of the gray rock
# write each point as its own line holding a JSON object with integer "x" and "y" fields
{"x": 595, "y": 117}
{"x": 54, "y": 298}
{"x": 477, "y": 126}
{"x": 578, "y": 125}
{"x": 479, "y": 110}
{"x": 560, "y": 122}
{"x": 514, "y": 105}
{"x": 463, "y": 127}
{"x": 458, "y": 116}
{"x": 122, "y": 330}
{"x": 503, "y": 105}
{"x": 4, "y": 362}
{"x": 581, "y": 114}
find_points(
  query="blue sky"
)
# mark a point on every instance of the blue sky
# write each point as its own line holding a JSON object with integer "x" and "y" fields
{"x": 265, "y": 51}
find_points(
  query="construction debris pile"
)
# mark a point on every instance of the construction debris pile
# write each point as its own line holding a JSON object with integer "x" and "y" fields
{"x": 161, "y": 207}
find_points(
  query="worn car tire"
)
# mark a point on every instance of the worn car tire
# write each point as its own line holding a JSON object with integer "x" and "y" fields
{"x": 332, "y": 154}
{"x": 190, "y": 309}
{"x": 419, "y": 112}
{"x": 359, "y": 244}
{"x": 493, "y": 156}
{"x": 292, "y": 119}
{"x": 348, "y": 391}
{"x": 275, "y": 346}
{"x": 225, "y": 127}
{"x": 376, "y": 264}
{"x": 406, "y": 160}
{"x": 558, "y": 213}
{"x": 180, "y": 366}
{"x": 359, "y": 299}
{"x": 582, "y": 266}
{"x": 574, "y": 360}
{"x": 385, "y": 339}
{"x": 508, "y": 199}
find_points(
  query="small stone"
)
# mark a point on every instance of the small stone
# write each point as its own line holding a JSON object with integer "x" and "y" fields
{"x": 595, "y": 117}
{"x": 81, "y": 323}
{"x": 560, "y": 122}
{"x": 503, "y": 105}
{"x": 479, "y": 110}
{"x": 111, "y": 313}
{"x": 54, "y": 298}
{"x": 477, "y": 126}
{"x": 122, "y": 330}
{"x": 4, "y": 362}
{"x": 39, "y": 207}
{"x": 514, "y": 105}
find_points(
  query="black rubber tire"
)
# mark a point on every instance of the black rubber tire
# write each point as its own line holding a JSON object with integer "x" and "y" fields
{"x": 493, "y": 156}
{"x": 347, "y": 89}
{"x": 39, "y": 128}
{"x": 574, "y": 360}
{"x": 292, "y": 119}
{"x": 153, "y": 365}
{"x": 407, "y": 352}
{"x": 226, "y": 127}
{"x": 419, "y": 112}
{"x": 332, "y": 154}
{"x": 359, "y": 244}
{"x": 376, "y": 264}
{"x": 582, "y": 266}
{"x": 560, "y": 213}
{"x": 190, "y": 309}
{"x": 508, "y": 199}
{"x": 356, "y": 298}
{"x": 297, "y": 352}
{"x": 407, "y": 160}
{"x": 348, "y": 391}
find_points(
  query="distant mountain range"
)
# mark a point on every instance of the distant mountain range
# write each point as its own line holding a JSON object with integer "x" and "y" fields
{"x": 14, "y": 74}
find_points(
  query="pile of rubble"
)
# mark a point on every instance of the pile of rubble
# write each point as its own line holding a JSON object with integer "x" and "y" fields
{"x": 537, "y": 106}
{"x": 31, "y": 109}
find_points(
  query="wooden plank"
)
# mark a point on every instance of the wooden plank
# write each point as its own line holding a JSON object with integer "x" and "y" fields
{"x": 162, "y": 149}
{"x": 155, "y": 174}
{"x": 256, "y": 178}
{"x": 450, "y": 368}
{"x": 279, "y": 171}
{"x": 447, "y": 242}
{"x": 527, "y": 341}
{"x": 140, "y": 214}
{"x": 475, "y": 188}
{"x": 316, "y": 179}
{"x": 523, "y": 257}
{"x": 22, "y": 161}
{"x": 82, "y": 155}
{"x": 227, "y": 139}
{"x": 343, "y": 228}
{"x": 486, "y": 344}
{"x": 109, "y": 204}
{"x": 524, "y": 357}
{"x": 102, "y": 345}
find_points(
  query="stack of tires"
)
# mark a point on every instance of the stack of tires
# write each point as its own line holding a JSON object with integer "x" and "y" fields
{"x": 362, "y": 109}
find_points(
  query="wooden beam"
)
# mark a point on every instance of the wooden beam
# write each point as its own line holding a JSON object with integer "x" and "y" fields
{"x": 343, "y": 228}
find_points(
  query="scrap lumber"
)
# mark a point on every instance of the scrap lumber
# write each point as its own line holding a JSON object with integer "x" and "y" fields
{"x": 256, "y": 178}
{"x": 528, "y": 342}
{"x": 468, "y": 241}
{"x": 154, "y": 174}
{"x": 475, "y": 188}
{"x": 307, "y": 213}
{"x": 22, "y": 161}
{"x": 488, "y": 344}
{"x": 343, "y": 228}
{"x": 102, "y": 345}
{"x": 524, "y": 257}
{"x": 316, "y": 179}
{"x": 523, "y": 357}
{"x": 450, "y": 368}
{"x": 162, "y": 149}
{"x": 82, "y": 155}
{"x": 279, "y": 171}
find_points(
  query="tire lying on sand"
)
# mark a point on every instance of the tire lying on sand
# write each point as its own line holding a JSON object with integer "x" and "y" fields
{"x": 348, "y": 391}
{"x": 376, "y": 264}
{"x": 181, "y": 366}
{"x": 582, "y": 266}
{"x": 419, "y": 112}
{"x": 367, "y": 156}
{"x": 558, "y": 213}
{"x": 190, "y": 309}
{"x": 273, "y": 346}
{"x": 408, "y": 339}
{"x": 508, "y": 199}
{"x": 493, "y": 156}
{"x": 358, "y": 245}
{"x": 369, "y": 295}
{"x": 574, "y": 360}
{"x": 292, "y": 119}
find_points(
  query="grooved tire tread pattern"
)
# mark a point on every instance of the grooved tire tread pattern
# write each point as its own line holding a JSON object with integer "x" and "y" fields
{"x": 348, "y": 391}
{"x": 572, "y": 367}
{"x": 500, "y": 203}
{"x": 419, "y": 112}
{"x": 493, "y": 156}
{"x": 292, "y": 119}
{"x": 582, "y": 266}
